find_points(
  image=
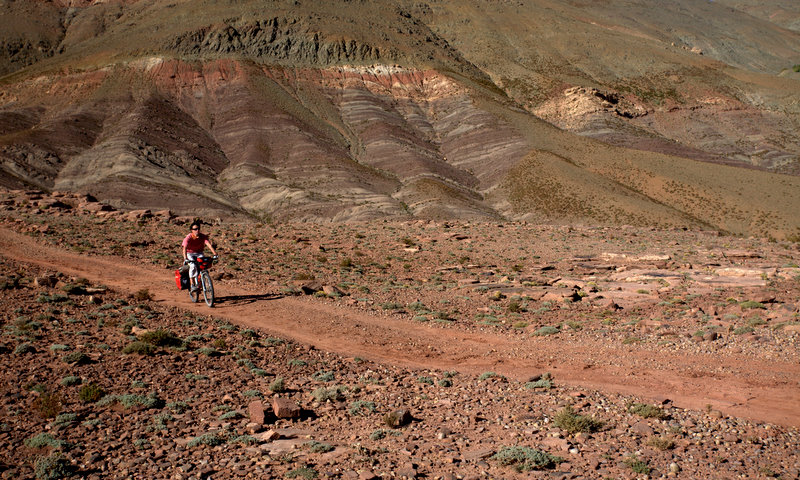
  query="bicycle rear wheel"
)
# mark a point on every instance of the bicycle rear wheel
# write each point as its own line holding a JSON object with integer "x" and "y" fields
{"x": 208, "y": 289}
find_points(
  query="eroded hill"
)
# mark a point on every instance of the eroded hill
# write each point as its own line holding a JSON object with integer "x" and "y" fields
{"x": 546, "y": 111}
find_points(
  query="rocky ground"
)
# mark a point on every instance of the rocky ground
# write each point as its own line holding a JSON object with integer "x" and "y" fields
{"x": 105, "y": 381}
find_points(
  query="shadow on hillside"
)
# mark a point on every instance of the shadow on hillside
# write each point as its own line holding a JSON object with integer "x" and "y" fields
{"x": 245, "y": 299}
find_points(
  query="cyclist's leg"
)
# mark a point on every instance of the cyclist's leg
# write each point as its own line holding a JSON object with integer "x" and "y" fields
{"x": 193, "y": 269}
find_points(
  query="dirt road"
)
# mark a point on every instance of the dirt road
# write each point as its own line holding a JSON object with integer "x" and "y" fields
{"x": 737, "y": 385}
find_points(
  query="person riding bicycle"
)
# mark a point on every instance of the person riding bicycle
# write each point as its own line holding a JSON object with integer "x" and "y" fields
{"x": 193, "y": 246}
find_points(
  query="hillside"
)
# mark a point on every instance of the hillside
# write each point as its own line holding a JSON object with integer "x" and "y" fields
{"x": 682, "y": 116}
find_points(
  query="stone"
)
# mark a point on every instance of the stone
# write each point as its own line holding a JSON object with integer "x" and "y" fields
{"x": 710, "y": 336}
{"x": 268, "y": 436}
{"x": 397, "y": 418}
{"x": 45, "y": 281}
{"x": 555, "y": 443}
{"x": 332, "y": 291}
{"x": 642, "y": 429}
{"x": 285, "y": 408}
{"x": 256, "y": 411}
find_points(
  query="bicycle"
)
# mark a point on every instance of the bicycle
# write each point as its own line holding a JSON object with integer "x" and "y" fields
{"x": 203, "y": 280}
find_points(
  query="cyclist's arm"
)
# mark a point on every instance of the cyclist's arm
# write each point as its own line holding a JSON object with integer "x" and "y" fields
{"x": 184, "y": 252}
{"x": 211, "y": 247}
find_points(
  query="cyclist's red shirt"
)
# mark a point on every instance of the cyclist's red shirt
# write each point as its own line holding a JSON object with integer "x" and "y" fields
{"x": 195, "y": 245}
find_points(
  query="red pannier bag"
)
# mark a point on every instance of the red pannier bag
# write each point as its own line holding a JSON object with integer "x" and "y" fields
{"x": 181, "y": 279}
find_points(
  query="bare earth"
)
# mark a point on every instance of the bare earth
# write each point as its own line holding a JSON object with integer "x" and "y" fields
{"x": 739, "y": 386}
{"x": 456, "y": 322}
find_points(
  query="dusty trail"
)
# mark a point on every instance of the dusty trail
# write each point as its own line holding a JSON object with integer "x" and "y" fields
{"x": 739, "y": 386}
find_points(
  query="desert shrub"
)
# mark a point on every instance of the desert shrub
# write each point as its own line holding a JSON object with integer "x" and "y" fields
{"x": 488, "y": 375}
{"x": 23, "y": 348}
{"x": 318, "y": 447}
{"x": 248, "y": 333}
{"x": 445, "y": 382}
{"x": 178, "y": 407}
{"x": 545, "y": 381}
{"x": 42, "y": 440}
{"x": 743, "y": 330}
{"x": 382, "y": 433}
{"x": 749, "y": 304}
{"x": 208, "y": 352}
{"x": 515, "y": 307}
{"x": 546, "y": 330}
{"x": 296, "y": 362}
{"x": 71, "y": 380}
{"x": 57, "y": 347}
{"x": 161, "y": 338}
{"x": 259, "y": 372}
{"x": 47, "y": 404}
{"x": 647, "y": 411}
{"x": 76, "y": 358}
{"x": 569, "y": 421}
{"x": 138, "y": 347}
{"x": 278, "y": 385}
{"x": 132, "y": 400}
{"x": 52, "y": 467}
{"x": 90, "y": 393}
{"x": 252, "y": 394}
{"x": 143, "y": 295}
{"x": 637, "y": 465}
{"x": 796, "y": 68}
{"x": 246, "y": 363}
{"x": 244, "y": 440}
{"x": 160, "y": 421}
{"x": 209, "y": 439}
{"x": 324, "y": 394}
{"x": 234, "y": 415}
{"x": 306, "y": 472}
{"x": 323, "y": 376}
{"x": 65, "y": 419}
{"x": 361, "y": 407}
{"x": 425, "y": 380}
{"x": 661, "y": 443}
{"x": 524, "y": 459}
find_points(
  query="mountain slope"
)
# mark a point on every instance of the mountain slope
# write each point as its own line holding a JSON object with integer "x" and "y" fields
{"x": 362, "y": 110}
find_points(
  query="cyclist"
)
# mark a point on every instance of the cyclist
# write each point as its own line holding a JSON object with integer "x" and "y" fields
{"x": 193, "y": 246}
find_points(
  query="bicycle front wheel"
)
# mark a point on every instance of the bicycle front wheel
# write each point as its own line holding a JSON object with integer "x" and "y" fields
{"x": 208, "y": 289}
{"x": 194, "y": 293}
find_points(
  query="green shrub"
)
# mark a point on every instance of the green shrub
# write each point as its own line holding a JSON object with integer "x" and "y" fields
{"x": 52, "y": 467}
{"x": 647, "y": 411}
{"x": 143, "y": 295}
{"x": 161, "y": 338}
{"x": 748, "y": 304}
{"x": 637, "y": 465}
{"x": 318, "y": 447}
{"x": 324, "y": 394}
{"x": 209, "y": 439}
{"x": 360, "y": 407}
{"x": 44, "y": 440}
{"x": 234, "y": 415}
{"x": 23, "y": 348}
{"x": 296, "y": 362}
{"x": 178, "y": 407}
{"x": 796, "y": 68}
{"x": 524, "y": 459}
{"x": 323, "y": 376}
{"x": 445, "y": 382}
{"x": 208, "y": 352}
{"x": 90, "y": 393}
{"x": 306, "y": 472}
{"x": 259, "y": 372}
{"x": 139, "y": 347}
{"x": 661, "y": 443}
{"x": 278, "y": 385}
{"x": 488, "y": 375}
{"x": 57, "y": 347}
{"x": 571, "y": 422}
{"x": 544, "y": 382}
{"x": 76, "y": 358}
{"x": 132, "y": 400}
{"x": 546, "y": 330}
{"x": 65, "y": 419}
{"x": 743, "y": 330}
{"x": 71, "y": 380}
{"x": 425, "y": 380}
{"x": 244, "y": 440}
